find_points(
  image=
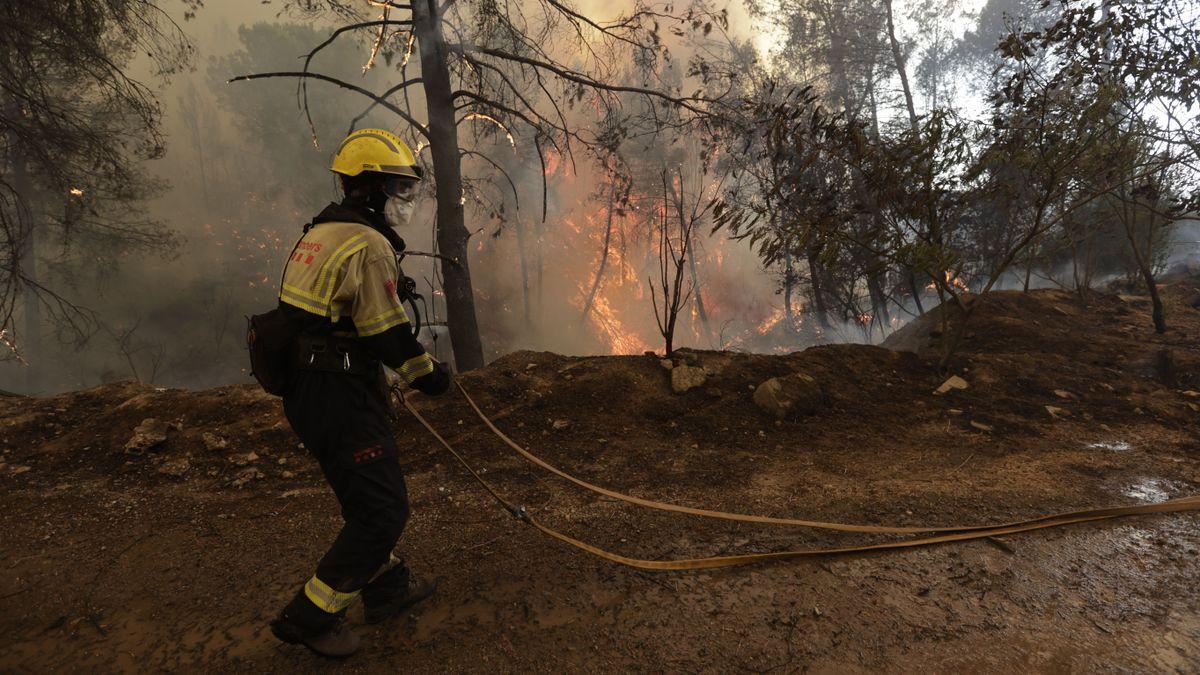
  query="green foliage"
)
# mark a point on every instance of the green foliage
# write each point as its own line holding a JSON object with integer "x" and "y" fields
{"x": 1072, "y": 163}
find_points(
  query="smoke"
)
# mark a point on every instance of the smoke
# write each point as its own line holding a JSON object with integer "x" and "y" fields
{"x": 1183, "y": 248}
{"x": 244, "y": 176}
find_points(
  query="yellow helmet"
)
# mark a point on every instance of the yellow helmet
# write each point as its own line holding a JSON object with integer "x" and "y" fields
{"x": 374, "y": 150}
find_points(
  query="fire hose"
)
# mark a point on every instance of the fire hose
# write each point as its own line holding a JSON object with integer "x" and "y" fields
{"x": 942, "y": 535}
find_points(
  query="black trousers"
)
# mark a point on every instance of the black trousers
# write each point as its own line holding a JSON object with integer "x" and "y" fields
{"x": 343, "y": 420}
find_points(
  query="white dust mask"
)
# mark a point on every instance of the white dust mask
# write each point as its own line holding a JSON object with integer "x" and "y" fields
{"x": 398, "y": 212}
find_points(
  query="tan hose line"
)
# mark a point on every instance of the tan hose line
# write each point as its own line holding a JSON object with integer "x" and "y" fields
{"x": 949, "y": 534}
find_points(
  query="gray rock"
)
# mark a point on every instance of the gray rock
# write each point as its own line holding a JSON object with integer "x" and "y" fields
{"x": 790, "y": 396}
{"x": 684, "y": 378}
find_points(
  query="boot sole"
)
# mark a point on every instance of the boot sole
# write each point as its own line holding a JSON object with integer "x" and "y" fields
{"x": 283, "y": 634}
{"x": 395, "y": 610}
{"x": 334, "y": 657}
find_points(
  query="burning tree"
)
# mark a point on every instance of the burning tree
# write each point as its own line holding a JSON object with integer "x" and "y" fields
{"x": 522, "y": 70}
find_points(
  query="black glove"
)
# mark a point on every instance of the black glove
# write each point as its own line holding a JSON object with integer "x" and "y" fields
{"x": 435, "y": 383}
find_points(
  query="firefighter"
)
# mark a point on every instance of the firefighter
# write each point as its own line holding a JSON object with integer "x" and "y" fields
{"x": 340, "y": 288}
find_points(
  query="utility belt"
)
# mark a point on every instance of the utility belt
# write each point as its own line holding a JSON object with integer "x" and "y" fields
{"x": 330, "y": 354}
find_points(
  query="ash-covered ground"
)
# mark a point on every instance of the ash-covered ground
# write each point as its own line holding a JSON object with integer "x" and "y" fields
{"x": 161, "y": 529}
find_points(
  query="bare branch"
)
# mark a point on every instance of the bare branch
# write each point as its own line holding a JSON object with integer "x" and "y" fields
{"x": 382, "y": 23}
{"x": 686, "y": 102}
{"x": 345, "y": 85}
{"x": 489, "y": 160}
{"x": 403, "y": 85}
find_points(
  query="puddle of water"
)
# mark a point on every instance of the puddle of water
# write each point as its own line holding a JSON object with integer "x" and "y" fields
{"x": 1151, "y": 490}
{"x": 1111, "y": 446}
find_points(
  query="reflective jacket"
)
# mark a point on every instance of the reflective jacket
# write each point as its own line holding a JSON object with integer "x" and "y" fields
{"x": 342, "y": 280}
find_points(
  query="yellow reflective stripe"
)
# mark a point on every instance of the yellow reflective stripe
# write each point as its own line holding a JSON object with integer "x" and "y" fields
{"x": 416, "y": 367}
{"x": 304, "y": 300}
{"x": 301, "y": 293}
{"x": 394, "y": 316}
{"x": 304, "y": 304}
{"x": 326, "y": 598}
{"x": 324, "y": 284}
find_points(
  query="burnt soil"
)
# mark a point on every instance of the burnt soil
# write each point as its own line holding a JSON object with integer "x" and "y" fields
{"x": 176, "y": 557}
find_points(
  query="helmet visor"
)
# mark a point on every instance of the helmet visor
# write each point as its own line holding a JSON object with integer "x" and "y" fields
{"x": 400, "y": 187}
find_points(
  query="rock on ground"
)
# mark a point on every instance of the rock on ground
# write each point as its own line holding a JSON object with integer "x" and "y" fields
{"x": 684, "y": 378}
{"x": 790, "y": 396}
{"x": 953, "y": 382}
{"x": 149, "y": 434}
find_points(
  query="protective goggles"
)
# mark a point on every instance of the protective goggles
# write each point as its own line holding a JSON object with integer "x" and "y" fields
{"x": 400, "y": 187}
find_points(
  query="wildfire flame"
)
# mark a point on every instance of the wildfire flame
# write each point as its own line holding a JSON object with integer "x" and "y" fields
{"x": 776, "y": 317}
{"x": 952, "y": 280}
{"x": 620, "y": 339}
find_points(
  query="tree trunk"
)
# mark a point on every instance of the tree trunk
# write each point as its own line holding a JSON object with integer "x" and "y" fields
{"x": 789, "y": 280}
{"x": 608, "y": 228}
{"x": 698, "y": 298}
{"x": 1145, "y": 261}
{"x": 838, "y": 52}
{"x": 916, "y": 292}
{"x": 524, "y": 259}
{"x": 1156, "y": 303}
{"x": 879, "y": 300}
{"x": 32, "y": 335}
{"x": 815, "y": 278}
{"x": 539, "y": 268}
{"x": 901, "y": 68}
{"x": 452, "y": 234}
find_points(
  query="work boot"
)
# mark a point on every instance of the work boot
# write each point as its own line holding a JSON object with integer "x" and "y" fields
{"x": 392, "y": 592}
{"x": 303, "y": 623}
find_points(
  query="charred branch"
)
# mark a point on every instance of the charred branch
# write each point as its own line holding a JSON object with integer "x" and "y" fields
{"x": 345, "y": 85}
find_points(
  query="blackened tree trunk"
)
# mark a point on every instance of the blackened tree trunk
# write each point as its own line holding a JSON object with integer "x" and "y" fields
{"x": 1144, "y": 258}
{"x": 1158, "y": 312}
{"x": 523, "y": 255}
{"x": 608, "y": 229}
{"x": 452, "y": 234}
{"x": 879, "y": 300}
{"x": 816, "y": 281}
{"x": 789, "y": 280}
{"x": 698, "y": 298}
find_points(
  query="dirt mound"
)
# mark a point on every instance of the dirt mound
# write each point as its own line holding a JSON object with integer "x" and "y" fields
{"x": 151, "y": 528}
